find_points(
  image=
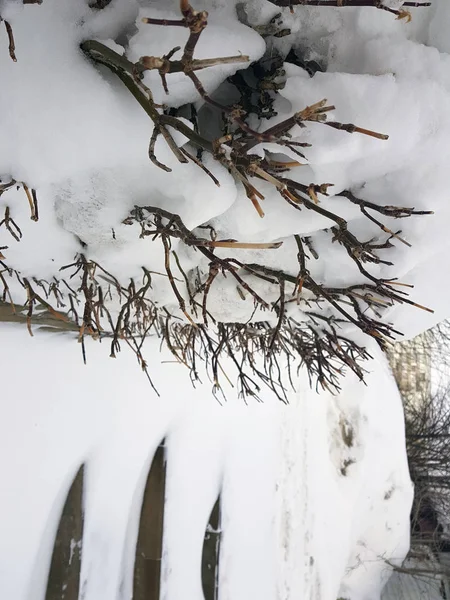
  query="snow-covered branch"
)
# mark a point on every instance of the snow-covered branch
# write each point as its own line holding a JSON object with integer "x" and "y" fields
{"x": 260, "y": 163}
{"x": 380, "y": 4}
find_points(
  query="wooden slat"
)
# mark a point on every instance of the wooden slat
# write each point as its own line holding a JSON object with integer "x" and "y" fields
{"x": 42, "y": 319}
{"x": 210, "y": 557}
{"x": 147, "y": 569}
{"x": 64, "y": 576}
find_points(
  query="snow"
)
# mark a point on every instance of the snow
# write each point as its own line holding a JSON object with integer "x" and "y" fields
{"x": 293, "y": 524}
{"x": 363, "y": 512}
{"x": 306, "y": 514}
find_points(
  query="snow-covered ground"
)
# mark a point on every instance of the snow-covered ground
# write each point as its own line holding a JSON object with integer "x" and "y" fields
{"x": 316, "y": 493}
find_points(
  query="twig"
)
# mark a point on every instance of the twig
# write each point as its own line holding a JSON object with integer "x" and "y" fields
{"x": 12, "y": 45}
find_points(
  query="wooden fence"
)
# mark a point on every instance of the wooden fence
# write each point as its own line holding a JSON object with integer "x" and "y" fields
{"x": 64, "y": 575}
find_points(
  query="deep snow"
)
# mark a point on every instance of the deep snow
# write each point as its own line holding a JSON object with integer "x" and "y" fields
{"x": 294, "y": 525}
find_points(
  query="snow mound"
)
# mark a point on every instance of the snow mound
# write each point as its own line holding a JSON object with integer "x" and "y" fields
{"x": 315, "y": 494}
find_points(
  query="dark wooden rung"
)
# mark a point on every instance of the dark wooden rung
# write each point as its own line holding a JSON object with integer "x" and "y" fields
{"x": 64, "y": 575}
{"x": 147, "y": 567}
{"x": 211, "y": 552}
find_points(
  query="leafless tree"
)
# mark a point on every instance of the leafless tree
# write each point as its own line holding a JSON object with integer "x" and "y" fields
{"x": 426, "y": 399}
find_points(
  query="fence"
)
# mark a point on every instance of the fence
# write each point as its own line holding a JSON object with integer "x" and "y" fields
{"x": 64, "y": 574}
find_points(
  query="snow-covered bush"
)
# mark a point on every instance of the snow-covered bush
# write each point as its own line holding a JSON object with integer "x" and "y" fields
{"x": 187, "y": 177}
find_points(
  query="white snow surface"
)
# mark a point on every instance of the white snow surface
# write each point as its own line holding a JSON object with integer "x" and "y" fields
{"x": 294, "y": 525}
{"x": 298, "y": 523}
